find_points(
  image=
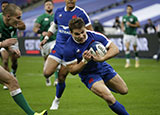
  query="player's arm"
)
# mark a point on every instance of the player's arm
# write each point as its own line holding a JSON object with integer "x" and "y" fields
{"x": 112, "y": 51}
{"x": 8, "y": 42}
{"x": 136, "y": 25}
{"x": 89, "y": 27}
{"x": 52, "y": 29}
{"x": 75, "y": 67}
{"x": 122, "y": 26}
{"x": 36, "y": 28}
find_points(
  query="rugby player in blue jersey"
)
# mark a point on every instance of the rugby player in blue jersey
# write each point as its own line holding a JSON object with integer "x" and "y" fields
{"x": 61, "y": 19}
{"x": 95, "y": 73}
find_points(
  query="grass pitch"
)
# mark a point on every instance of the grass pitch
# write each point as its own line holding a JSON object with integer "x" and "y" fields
{"x": 142, "y": 99}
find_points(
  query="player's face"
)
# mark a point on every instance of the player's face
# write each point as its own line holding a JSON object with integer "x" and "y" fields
{"x": 70, "y": 3}
{"x": 129, "y": 10}
{"x": 79, "y": 35}
{"x": 4, "y": 5}
{"x": 48, "y": 6}
{"x": 14, "y": 20}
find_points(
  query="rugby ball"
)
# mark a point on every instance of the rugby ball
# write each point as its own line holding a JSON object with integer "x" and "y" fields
{"x": 97, "y": 46}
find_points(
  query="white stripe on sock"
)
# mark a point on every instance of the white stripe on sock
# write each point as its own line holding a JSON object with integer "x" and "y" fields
{"x": 15, "y": 92}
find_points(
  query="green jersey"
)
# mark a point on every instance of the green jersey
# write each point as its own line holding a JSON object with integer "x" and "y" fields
{"x": 132, "y": 19}
{"x": 45, "y": 21}
{"x": 6, "y": 32}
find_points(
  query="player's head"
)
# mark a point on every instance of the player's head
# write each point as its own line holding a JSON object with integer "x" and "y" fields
{"x": 70, "y": 4}
{"x": 48, "y": 6}
{"x": 129, "y": 9}
{"x": 12, "y": 15}
{"x": 77, "y": 29}
{"x": 4, "y": 4}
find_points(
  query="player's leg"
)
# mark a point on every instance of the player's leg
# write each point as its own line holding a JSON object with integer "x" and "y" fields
{"x": 126, "y": 41}
{"x": 134, "y": 41}
{"x": 5, "y": 62}
{"x": 7, "y": 79}
{"x": 14, "y": 66}
{"x": 60, "y": 87}
{"x": 117, "y": 84}
{"x": 100, "y": 89}
{"x": 5, "y": 58}
{"x": 15, "y": 54}
{"x": 50, "y": 67}
{"x": 56, "y": 75}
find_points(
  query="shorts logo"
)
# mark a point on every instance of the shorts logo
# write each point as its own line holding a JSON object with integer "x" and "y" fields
{"x": 90, "y": 80}
{"x": 53, "y": 51}
{"x": 74, "y": 16}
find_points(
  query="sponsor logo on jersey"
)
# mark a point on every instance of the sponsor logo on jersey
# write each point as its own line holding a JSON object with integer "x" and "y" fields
{"x": 60, "y": 15}
{"x": 46, "y": 19}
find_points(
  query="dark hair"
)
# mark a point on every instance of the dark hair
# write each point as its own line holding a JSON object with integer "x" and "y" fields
{"x": 130, "y": 6}
{"x": 4, "y": 2}
{"x": 48, "y": 1}
{"x": 11, "y": 9}
{"x": 76, "y": 23}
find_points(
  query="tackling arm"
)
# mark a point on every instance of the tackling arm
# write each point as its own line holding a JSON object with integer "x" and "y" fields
{"x": 75, "y": 68}
{"x": 111, "y": 52}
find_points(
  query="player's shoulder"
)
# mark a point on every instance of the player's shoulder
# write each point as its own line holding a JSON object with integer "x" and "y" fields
{"x": 60, "y": 9}
{"x": 94, "y": 33}
{"x": 80, "y": 9}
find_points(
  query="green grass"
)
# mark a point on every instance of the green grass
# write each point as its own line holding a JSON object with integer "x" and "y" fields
{"x": 143, "y": 97}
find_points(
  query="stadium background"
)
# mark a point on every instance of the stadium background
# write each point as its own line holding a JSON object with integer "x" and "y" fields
{"x": 143, "y": 83}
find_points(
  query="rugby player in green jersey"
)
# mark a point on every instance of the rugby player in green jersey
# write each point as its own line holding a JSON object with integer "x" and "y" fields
{"x": 129, "y": 26}
{"x": 9, "y": 32}
{"x": 10, "y": 19}
{"x": 42, "y": 24}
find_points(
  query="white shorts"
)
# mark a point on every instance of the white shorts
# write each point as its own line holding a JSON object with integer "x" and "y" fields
{"x": 47, "y": 48}
{"x": 130, "y": 39}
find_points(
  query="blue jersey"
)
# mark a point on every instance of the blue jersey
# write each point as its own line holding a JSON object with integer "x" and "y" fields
{"x": 62, "y": 18}
{"x": 73, "y": 52}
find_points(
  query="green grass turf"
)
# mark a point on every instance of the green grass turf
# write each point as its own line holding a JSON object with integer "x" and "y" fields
{"x": 143, "y": 97}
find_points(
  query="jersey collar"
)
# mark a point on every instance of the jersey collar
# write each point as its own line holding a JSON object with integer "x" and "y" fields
{"x": 65, "y": 9}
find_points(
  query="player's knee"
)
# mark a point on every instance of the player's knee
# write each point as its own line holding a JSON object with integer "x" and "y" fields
{"x": 124, "y": 91}
{"x": 61, "y": 78}
{"x": 47, "y": 73}
{"x": 109, "y": 99}
{"x": 13, "y": 83}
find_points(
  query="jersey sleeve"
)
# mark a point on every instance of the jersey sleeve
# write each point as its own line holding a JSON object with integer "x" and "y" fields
{"x": 85, "y": 18}
{"x": 103, "y": 39}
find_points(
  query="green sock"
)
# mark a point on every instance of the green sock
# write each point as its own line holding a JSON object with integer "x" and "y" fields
{"x": 136, "y": 54}
{"x": 56, "y": 74}
{"x": 20, "y": 100}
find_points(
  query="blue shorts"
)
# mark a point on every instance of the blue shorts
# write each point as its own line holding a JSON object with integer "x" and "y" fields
{"x": 90, "y": 79}
{"x": 57, "y": 52}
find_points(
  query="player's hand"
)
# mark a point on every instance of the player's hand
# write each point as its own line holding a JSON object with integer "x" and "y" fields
{"x": 128, "y": 23}
{"x": 44, "y": 33}
{"x": 87, "y": 55}
{"x": 97, "y": 57}
{"x": 44, "y": 41}
{"x": 15, "y": 51}
{"x": 9, "y": 42}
